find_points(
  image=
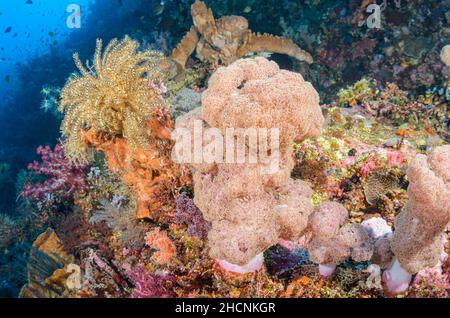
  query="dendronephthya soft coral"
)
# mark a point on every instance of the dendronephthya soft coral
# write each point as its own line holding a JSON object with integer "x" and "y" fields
{"x": 416, "y": 242}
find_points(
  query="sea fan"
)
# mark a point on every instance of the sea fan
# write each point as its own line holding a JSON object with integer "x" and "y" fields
{"x": 113, "y": 97}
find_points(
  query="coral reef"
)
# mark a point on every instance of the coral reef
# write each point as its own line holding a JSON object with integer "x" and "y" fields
{"x": 228, "y": 39}
{"x": 351, "y": 202}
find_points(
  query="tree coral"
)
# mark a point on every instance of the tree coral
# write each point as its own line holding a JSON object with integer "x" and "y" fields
{"x": 251, "y": 208}
{"x": 113, "y": 97}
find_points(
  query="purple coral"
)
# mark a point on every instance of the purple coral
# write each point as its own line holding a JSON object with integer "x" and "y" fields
{"x": 186, "y": 212}
{"x": 148, "y": 285}
{"x": 64, "y": 177}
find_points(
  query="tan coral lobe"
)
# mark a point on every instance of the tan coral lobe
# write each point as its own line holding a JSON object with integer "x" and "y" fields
{"x": 417, "y": 237}
{"x": 445, "y": 55}
{"x": 333, "y": 239}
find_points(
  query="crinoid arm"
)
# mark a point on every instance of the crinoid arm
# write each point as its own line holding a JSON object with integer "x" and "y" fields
{"x": 184, "y": 49}
{"x": 256, "y": 42}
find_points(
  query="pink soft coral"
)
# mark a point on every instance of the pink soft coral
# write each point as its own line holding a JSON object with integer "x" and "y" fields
{"x": 251, "y": 209}
{"x": 64, "y": 178}
{"x": 416, "y": 242}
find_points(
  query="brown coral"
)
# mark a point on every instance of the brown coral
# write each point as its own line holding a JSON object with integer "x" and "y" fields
{"x": 228, "y": 39}
{"x": 251, "y": 209}
{"x": 417, "y": 237}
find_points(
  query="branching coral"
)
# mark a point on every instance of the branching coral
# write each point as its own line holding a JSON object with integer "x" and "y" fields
{"x": 252, "y": 208}
{"x": 416, "y": 242}
{"x": 64, "y": 178}
{"x": 228, "y": 39}
{"x": 113, "y": 97}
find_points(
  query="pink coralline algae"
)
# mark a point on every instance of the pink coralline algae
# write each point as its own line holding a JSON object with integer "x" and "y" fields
{"x": 416, "y": 242}
{"x": 395, "y": 158}
{"x": 187, "y": 213}
{"x": 64, "y": 178}
{"x": 149, "y": 285}
{"x": 367, "y": 168}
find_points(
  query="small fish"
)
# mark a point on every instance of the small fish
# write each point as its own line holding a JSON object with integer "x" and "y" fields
{"x": 158, "y": 8}
{"x": 7, "y": 79}
{"x": 8, "y": 29}
{"x": 29, "y": 2}
{"x": 51, "y": 34}
{"x": 247, "y": 9}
